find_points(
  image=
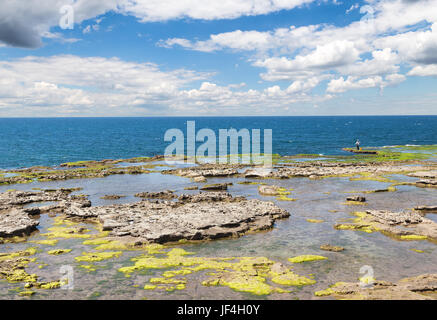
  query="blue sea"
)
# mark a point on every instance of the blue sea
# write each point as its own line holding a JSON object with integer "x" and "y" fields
{"x": 27, "y": 142}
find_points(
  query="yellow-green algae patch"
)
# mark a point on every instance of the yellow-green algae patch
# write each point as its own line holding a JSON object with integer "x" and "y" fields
{"x": 12, "y": 269}
{"x": 98, "y": 256}
{"x": 291, "y": 279}
{"x": 315, "y": 220}
{"x": 107, "y": 244}
{"x": 357, "y": 224}
{"x": 149, "y": 287}
{"x": 46, "y": 242}
{"x": 58, "y": 251}
{"x": 354, "y": 203}
{"x": 88, "y": 267}
{"x": 306, "y": 257}
{"x": 413, "y": 237}
{"x": 66, "y": 233}
{"x": 284, "y": 198}
{"x": 324, "y": 293}
{"x": 245, "y": 274}
{"x": 417, "y": 250}
{"x": 26, "y": 293}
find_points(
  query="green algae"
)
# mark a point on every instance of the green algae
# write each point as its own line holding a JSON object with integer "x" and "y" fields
{"x": 45, "y": 242}
{"x": 245, "y": 274}
{"x": 66, "y": 233}
{"x": 12, "y": 269}
{"x": 417, "y": 250}
{"x": 315, "y": 220}
{"x": 283, "y": 193}
{"x": 88, "y": 267}
{"x": 306, "y": 258}
{"x": 413, "y": 237}
{"x": 324, "y": 293}
{"x": 26, "y": 293}
{"x": 354, "y": 203}
{"x": 291, "y": 279}
{"x": 98, "y": 256}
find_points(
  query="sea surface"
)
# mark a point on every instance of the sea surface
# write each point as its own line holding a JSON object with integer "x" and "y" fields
{"x": 27, "y": 142}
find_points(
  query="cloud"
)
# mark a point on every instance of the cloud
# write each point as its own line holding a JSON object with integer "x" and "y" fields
{"x": 391, "y": 34}
{"x": 158, "y": 10}
{"x": 342, "y": 85}
{"x": 18, "y": 34}
{"x": 424, "y": 71}
{"x": 22, "y": 23}
{"x": 72, "y": 85}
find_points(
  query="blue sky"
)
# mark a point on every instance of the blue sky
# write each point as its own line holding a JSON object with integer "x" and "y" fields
{"x": 239, "y": 57}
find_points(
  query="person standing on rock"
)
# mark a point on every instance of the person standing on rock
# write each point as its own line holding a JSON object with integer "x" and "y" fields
{"x": 358, "y": 144}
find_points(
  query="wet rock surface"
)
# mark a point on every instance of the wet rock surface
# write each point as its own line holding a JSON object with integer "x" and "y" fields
{"x": 193, "y": 217}
{"x": 413, "y": 288}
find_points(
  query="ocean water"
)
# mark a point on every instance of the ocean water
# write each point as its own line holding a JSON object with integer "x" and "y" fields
{"x": 27, "y": 142}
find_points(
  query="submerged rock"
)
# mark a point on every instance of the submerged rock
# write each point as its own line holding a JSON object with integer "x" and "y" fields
{"x": 215, "y": 187}
{"x": 427, "y": 183}
{"x": 166, "y": 194}
{"x": 356, "y": 199}
{"x": 268, "y": 190}
{"x": 112, "y": 197}
{"x": 425, "y": 209}
{"x": 199, "y": 179}
{"x": 193, "y": 217}
{"x": 328, "y": 247}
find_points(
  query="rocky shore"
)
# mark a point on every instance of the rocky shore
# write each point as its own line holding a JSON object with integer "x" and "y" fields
{"x": 413, "y": 288}
{"x": 16, "y": 220}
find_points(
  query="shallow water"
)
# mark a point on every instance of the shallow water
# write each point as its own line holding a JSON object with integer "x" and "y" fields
{"x": 316, "y": 199}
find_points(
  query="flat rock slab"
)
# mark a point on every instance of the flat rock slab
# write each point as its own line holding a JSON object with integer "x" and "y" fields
{"x": 361, "y": 151}
{"x": 198, "y": 217}
{"x": 16, "y": 222}
{"x": 425, "y": 209}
